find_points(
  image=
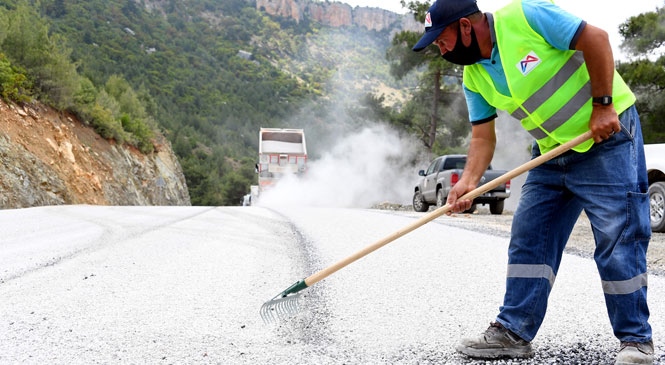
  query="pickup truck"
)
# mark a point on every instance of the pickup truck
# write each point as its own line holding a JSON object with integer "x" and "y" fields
{"x": 655, "y": 156}
{"x": 444, "y": 172}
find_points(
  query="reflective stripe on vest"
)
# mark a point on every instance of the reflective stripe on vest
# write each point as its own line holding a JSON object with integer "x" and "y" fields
{"x": 625, "y": 286}
{"x": 546, "y": 91}
{"x": 531, "y": 272}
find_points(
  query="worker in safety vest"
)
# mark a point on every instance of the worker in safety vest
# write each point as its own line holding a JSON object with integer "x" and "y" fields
{"x": 554, "y": 73}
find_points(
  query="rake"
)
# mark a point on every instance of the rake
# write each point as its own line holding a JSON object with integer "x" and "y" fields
{"x": 286, "y": 303}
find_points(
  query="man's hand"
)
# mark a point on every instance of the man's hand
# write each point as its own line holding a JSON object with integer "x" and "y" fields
{"x": 604, "y": 122}
{"x": 458, "y": 206}
{"x": 481, "y": 151}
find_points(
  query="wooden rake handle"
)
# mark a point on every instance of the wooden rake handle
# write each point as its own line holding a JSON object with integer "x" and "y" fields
{"x": 324, "y": 273}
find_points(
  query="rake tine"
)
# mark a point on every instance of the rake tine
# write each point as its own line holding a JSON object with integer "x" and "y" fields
{"x": 280, "y": 308}
{"x": 284, "y": 304}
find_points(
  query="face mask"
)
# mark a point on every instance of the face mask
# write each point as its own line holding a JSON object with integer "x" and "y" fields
{"x": 462, "y": 55}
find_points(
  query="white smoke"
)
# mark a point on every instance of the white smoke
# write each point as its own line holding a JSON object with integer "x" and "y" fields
{"x": 377, "y": 165}
{"x": 512, "y": 150}
{"x": 373, "y": 165}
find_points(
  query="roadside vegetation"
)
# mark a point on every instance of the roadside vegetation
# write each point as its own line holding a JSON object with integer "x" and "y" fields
{"x": 37, "y": 65}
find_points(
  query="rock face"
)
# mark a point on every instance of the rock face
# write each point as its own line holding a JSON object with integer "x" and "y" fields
{"x": 337, "y": 14}
{"x": 50, "y": 158}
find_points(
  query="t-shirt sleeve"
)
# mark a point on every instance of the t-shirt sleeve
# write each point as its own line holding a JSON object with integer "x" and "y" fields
{"x": 480, "y": 111}
{"x": 559, "y": 27}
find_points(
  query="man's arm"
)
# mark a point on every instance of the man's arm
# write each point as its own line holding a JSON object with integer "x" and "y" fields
{"x": 595, "y": 46}
{"x": 479, "y": 156}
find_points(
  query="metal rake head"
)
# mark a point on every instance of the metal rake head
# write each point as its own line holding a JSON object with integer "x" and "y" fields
{"x": 279, "y": 308}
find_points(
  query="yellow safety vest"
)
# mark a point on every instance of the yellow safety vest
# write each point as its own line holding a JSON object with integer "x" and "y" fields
{"x": 550, "y": 88}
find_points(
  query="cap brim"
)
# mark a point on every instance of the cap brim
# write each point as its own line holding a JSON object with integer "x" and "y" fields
{"x": 430, "y": 36}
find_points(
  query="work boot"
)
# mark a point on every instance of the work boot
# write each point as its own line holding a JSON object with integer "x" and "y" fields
{"x": 631, "y": 353}
{"x": 497, "y": 341}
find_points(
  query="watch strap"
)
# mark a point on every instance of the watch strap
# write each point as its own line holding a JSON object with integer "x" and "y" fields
{"x": 602, "y": 100}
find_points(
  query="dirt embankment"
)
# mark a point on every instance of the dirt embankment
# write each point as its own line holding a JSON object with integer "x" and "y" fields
{"x": 51, "y": 158}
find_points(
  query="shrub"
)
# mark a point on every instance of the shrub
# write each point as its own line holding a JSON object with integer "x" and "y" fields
{"x": 14, "y": 84}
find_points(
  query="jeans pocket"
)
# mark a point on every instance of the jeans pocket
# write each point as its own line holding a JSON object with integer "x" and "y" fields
{"x": 628, "y": 122}
{"x": 638, "y": 222}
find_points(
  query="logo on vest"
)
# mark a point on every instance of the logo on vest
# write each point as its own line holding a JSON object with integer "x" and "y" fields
{"x": 528, "y": 63}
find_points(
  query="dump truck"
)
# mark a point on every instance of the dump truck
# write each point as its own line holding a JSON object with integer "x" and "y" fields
{"x": 282, "y": 152}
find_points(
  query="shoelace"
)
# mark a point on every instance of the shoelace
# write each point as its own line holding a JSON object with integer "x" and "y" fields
{"x": 495, "y": 327}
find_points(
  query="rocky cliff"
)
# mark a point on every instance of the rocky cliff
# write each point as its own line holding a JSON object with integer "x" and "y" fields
{"x": 51, "y": 158}
{"x": 337, "y": 14}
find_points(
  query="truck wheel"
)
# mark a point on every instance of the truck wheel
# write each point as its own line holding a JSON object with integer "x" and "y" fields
{"x": 419, "y": 204}
{"x": 440, "y": 199}
{"x": 657, "y": 206}
{"x": 496, "y": 207}
{"x": 471, "y": 210}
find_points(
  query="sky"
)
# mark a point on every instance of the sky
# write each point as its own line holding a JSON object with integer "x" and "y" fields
{"x": 601, "y": 13}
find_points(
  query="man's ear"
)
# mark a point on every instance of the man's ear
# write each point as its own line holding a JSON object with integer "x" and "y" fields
{"x": 465, "y": 26}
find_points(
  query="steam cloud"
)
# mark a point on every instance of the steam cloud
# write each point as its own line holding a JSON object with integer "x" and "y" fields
{"x": 377, "y": 165}
{"x": 512, "y": 150}
{"x": 374, "y": 165}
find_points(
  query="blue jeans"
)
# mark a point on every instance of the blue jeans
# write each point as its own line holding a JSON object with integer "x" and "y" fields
{"x": 609, "y": 183}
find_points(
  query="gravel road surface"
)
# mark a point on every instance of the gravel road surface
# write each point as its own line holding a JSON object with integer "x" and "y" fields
{"x": 581, "y": 242}
{"x": 183, "y": 285}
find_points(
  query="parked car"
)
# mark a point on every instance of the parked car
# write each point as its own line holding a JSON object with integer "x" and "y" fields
{"x": 443, "y": 173}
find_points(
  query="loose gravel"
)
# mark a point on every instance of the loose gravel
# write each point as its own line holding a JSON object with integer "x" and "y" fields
{"x": 183, "y": 285}
{"x": 581, "y": 241}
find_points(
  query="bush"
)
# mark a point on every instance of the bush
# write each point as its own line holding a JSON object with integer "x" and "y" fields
{"x": 106, "y": 125}
{"x": 14, "y": 84}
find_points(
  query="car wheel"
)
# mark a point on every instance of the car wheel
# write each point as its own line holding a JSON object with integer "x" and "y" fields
{"x": 471, "y": 210}
{"x": 419, "y": 204}
{"x": 496, "y": 207}
{"x": 657, "y": 206}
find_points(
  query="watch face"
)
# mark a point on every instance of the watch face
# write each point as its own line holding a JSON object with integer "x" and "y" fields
{"x": 603, "y": 100}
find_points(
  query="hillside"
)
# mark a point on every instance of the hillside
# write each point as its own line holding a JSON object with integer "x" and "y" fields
{"x": 217, "y": 71}
{"x": 51, "y": 158}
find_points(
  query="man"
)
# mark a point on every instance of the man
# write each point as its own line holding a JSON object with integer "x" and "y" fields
{"x": 555, "y": 73}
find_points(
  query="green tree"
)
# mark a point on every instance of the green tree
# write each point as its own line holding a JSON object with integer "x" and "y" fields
{"x": 644, "y": 36}
{"x": 235, "y": 186}
{"x": 438, "y": 89}
{"x": 45, "y": 58}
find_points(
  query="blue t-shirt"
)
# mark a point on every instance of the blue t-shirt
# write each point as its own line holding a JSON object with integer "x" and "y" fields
{"x": 558, "y": 27}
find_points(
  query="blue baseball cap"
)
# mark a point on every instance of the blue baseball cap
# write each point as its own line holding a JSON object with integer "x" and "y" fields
{"x": 441, "y": 14}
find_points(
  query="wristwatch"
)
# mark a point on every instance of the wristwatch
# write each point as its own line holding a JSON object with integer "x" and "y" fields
{"x": 603, "y": 100}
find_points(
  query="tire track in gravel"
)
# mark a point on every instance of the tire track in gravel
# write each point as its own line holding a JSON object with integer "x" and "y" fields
{"x": 112, "y": 233}
{"x": 309, "y": 325}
